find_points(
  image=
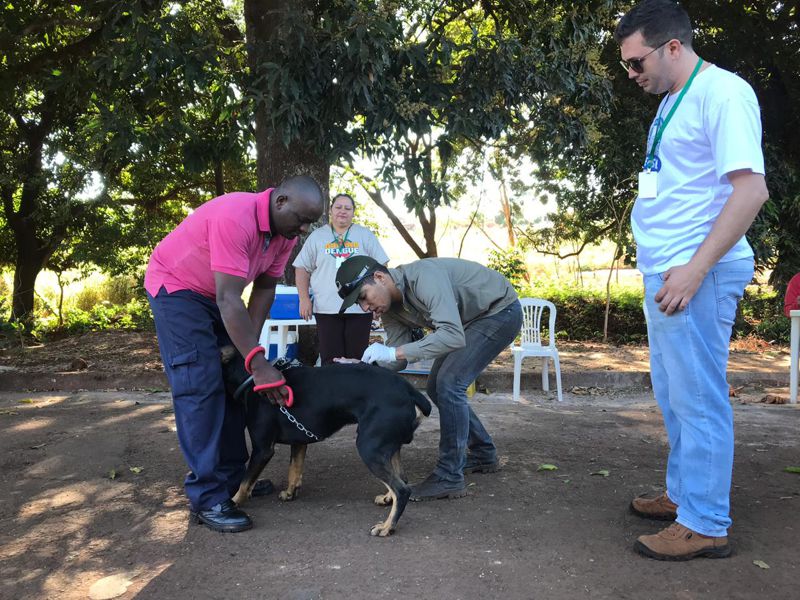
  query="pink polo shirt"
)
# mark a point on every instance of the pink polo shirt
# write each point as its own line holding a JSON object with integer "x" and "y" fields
{"x": 226, "y": 234}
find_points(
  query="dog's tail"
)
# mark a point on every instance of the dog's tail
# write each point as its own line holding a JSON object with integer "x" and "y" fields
{"x": 421, "y": 401}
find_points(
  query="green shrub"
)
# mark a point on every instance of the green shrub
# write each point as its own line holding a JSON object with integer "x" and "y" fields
{"x": 761, "y": 315}
{"x": 132, "y": 315}
{"x": 90, "y": 295}
{"x": 510, "y": 263}
{"x": 121, "y": 289}
{"x": 581, "y": 312}
{"x": 5, "y": 298}
{"x": 115, "y": 290}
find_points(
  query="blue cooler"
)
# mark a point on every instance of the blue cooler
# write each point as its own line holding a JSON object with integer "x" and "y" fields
{"x": 286, "y": 304}
{"x": 291, "y": 347}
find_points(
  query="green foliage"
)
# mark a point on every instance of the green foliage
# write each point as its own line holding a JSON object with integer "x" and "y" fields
{"x": 87, "y": 298}
{"x": 117, "y": 291}
{"x": 5, "y": 297}
{"x": 122, "y": 289}
{"x": 580, "y": 312}
{"x": 760, "y": 40}
{"x": 117, "y": 303}
{"x": 511, "y": 263}
{"x": 117, "y": 118}
{"x": 761, "y": 315}
{"x": 594, "y": 186}
{"x": 104, "y": 315}
{"x": 423, "y": 89}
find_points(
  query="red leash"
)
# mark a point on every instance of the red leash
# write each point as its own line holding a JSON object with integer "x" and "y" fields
{"x": 274, "y": 384}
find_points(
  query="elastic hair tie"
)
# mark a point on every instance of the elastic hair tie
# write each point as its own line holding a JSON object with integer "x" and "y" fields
{"x": 251, "y": 355}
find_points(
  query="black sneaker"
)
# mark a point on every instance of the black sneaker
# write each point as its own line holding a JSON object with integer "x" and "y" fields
{"x": 480, "y": 465}
{"x": 263, "y": 487}
{"x": 224, "y": 517}
{"x": 436, "y": 488}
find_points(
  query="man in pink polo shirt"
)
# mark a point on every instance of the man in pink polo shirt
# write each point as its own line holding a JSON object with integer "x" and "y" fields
{"x": 194, "y": 282}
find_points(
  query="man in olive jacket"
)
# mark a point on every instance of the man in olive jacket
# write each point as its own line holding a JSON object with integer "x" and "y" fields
{"x": 472, "y": 313}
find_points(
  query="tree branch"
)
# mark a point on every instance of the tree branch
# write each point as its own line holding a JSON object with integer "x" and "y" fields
{"x": 471, "y": 221}
{"x": 586, "y": 242}
{"x": 488, "y": 237}
{"x": 377, "y": 198}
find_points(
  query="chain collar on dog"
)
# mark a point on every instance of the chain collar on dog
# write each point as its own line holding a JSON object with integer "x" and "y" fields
{"x": 249, "y": 382}
{"x": 297, "y": 423}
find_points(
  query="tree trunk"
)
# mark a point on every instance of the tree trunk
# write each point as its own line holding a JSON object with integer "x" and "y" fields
{"x": 274, "y": 160}
{"x": 26, "y": 270}
{"x": 219, "y": 178}
{"x": 377, "y": 198}
{"x": 429, "y": 231}
{"x": 61, "y": 284}
{"x": 507, "y": 214}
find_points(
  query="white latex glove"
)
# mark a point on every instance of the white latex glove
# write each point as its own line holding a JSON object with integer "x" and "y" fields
{"x": 378, "y": 353}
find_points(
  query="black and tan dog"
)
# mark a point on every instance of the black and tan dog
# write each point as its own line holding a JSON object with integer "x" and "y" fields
{"x": 386, "y": 407}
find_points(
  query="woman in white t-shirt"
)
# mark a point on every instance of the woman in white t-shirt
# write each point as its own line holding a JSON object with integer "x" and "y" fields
{"x": 325, "y": 249}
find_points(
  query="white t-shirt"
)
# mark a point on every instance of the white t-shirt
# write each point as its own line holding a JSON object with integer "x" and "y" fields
{"x": 321, "y": 256}
{"x": 716, "y": 129}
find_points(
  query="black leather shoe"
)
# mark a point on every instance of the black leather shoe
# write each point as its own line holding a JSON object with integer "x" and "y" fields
{"x": 224, "y": 517}
{"x": 263, "y": 487}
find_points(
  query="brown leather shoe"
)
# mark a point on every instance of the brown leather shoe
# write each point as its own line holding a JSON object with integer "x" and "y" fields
{"x": 660, "y": 508}
{"x": 677, "y": 542}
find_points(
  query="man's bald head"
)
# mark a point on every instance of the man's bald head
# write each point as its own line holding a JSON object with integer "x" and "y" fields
{"x": 294, "y": 205}
{"x": 302, "y": 185}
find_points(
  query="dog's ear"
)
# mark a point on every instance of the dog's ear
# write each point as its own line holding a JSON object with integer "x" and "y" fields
{"x": 226, "y": 353}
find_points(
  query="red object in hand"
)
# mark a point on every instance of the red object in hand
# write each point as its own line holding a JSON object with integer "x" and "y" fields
{"x": 274, "y": 384}
{"x": 251, "y": 355}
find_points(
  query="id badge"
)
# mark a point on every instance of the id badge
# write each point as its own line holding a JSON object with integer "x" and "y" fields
{"x": 648, "y": 184}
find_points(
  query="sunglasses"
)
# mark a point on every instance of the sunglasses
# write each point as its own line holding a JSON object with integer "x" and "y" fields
{"x": 636, "y": 63}
{"x": 345, "y": 289}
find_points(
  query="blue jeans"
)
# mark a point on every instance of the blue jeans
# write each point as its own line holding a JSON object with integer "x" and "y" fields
{"x": 210, "y": 426}
{"x": 460, "y": 428}
{"x": 688, "y": 362}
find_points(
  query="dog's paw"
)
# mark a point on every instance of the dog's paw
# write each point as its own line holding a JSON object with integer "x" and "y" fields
{"x": 383, "y": 499}
{"x": 240, "y": 498}
{"x": 287, "y": 496}
{"x": 381, "y": 530}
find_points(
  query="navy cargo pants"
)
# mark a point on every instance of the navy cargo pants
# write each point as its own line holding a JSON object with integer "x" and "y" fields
{"x": 210, "y": 426}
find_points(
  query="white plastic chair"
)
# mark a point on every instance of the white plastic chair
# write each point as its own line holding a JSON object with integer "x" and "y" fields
{"x": 531, "y": 342}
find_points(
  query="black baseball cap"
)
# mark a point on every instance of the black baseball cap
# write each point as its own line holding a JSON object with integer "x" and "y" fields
{"x": 350, "y": 277}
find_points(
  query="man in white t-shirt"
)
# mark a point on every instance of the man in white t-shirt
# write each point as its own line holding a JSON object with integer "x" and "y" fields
{"x": 700, "y": 187}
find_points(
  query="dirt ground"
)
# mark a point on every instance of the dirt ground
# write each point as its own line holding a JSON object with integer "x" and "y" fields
{"x": 92, "y": 504}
